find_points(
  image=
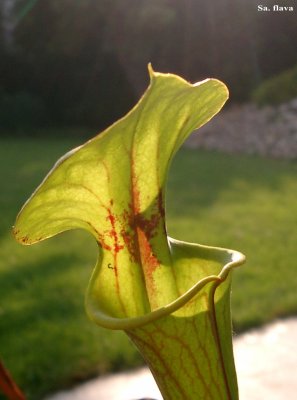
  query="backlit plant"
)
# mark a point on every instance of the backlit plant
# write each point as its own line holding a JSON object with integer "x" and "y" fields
{"x": 172, "y": 298}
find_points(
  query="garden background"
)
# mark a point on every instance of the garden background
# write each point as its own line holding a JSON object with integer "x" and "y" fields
{"x": 69, "y": 68}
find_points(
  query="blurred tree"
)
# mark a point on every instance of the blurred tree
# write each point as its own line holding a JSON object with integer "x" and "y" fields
{"x": 86, "y": 59}
{"x": 140, "y": 32}
{"x": 61, "y": 57}
{"x": 8, "y": 22}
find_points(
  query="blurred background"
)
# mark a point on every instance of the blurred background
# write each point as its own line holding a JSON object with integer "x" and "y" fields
{"x": 69, "y": 68}
{"x": 84, "y": 62}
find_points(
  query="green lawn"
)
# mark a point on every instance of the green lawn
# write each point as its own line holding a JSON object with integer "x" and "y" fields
{"x": 245, "y": 203}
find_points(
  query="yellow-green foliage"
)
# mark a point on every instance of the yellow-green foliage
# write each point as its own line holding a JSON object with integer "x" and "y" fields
{"x": 172, "y": 298}
{"x": 278, "y": 89}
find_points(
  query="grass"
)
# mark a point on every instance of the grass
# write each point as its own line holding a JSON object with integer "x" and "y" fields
{"x": 240, "y": 202}
{"x": 248, "y": 204}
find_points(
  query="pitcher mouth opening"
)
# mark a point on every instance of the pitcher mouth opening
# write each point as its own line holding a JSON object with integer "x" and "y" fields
{"x": 229, "y": 259}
